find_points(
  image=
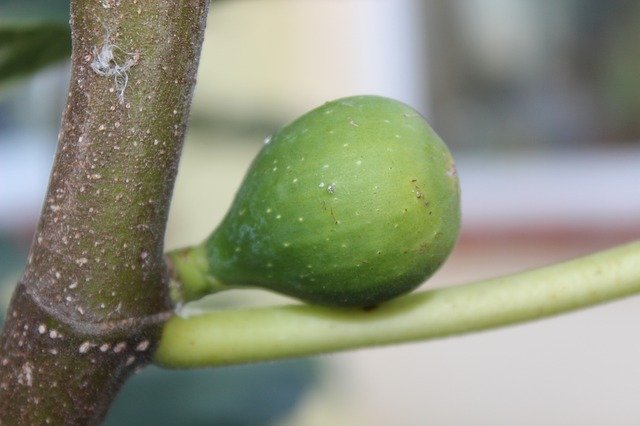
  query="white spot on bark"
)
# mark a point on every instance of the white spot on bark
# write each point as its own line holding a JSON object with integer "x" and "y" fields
{"x": 84, "y": 347}
{"x": 106, "y": 64}
{"x": 120, "y": 347}
{"x": 107, "y": 4}
{"x": 25, "y": 376}
{"x": 142, "y": 346}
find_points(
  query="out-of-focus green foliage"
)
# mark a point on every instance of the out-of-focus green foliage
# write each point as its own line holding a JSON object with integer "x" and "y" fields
{"x": 33, "y": 34}
{"x": 34, "y": 10}
{"x": 25, "y": 50}
{"x": 248, "y": 395}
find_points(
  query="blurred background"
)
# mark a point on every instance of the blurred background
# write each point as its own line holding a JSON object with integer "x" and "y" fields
{"x": 539, "y": 102}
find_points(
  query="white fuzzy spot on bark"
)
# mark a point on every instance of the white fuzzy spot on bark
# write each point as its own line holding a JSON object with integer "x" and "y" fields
{"x": 106, "y": 64}
{"x": 84, "y": 347}
{"x": 25, "y": 376}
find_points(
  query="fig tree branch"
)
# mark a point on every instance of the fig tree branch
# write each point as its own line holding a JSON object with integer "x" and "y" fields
{"x": 87, "y": 311}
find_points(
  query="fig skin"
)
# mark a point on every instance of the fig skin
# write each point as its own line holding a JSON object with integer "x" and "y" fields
{"x": 352, "y": 204}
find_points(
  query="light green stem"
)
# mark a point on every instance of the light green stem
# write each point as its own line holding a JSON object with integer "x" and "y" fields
{"x": 190, "y": 276}
{"x": 249, "y": 335}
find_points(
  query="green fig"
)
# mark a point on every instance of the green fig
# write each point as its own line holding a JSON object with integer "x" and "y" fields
{"x": 352, "y": 204}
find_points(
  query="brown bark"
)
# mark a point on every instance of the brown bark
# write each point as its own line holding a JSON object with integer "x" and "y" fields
{"x": 87, "y": 310}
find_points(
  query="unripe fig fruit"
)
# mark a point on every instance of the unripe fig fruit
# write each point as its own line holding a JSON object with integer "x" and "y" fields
{"x": 352, "y": 204}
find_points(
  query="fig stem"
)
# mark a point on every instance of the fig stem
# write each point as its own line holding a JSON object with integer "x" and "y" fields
{"x": 189, "y": 275}
{"x": 260, "y": 334}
